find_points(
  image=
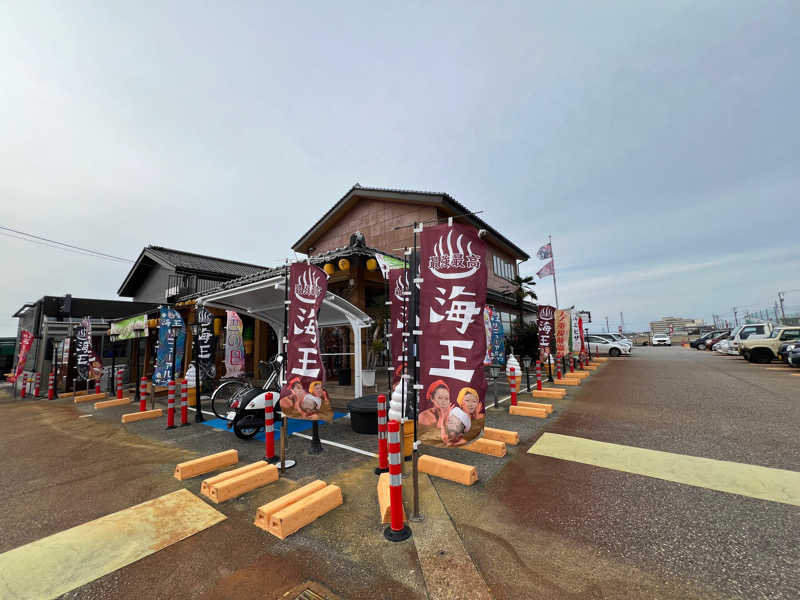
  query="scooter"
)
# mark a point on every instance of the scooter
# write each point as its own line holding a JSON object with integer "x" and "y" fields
{"x": 245, "y": 408}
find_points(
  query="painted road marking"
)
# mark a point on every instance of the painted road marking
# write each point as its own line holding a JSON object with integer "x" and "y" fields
{"x": 338, "y": 445}
{"x": 67, "y": 560}
{"x": 777, "y": 485}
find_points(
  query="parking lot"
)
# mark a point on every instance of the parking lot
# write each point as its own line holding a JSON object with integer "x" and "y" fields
{"x": 533, "y": 526}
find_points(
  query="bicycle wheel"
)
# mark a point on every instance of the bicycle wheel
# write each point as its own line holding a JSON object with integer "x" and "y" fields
{"x": 222, "y": 397}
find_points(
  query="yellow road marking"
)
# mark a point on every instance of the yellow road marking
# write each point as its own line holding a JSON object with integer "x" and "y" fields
{"x": 777, "y": 485}
{"x": 67, "y": 560}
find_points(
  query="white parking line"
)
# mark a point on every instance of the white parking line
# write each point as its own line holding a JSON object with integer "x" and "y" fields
{"x": 338, "y": 445}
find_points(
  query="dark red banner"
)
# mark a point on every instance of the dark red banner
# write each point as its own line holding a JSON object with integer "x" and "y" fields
{"x": 399, "y": 296}
{"x": 304, "y": 395}
{"x": 25, "y": 343}
{"x": 453, "y": 341}
{"x": 547, "y": 316}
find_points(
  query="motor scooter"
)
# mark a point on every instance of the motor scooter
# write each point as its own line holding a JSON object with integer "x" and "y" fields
{"x": 242, "y": 405}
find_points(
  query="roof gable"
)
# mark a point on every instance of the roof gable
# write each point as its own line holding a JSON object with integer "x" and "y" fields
{"x": 447, "y": 203}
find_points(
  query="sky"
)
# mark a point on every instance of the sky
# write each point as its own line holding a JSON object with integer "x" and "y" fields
{"x": 658, "y": 143}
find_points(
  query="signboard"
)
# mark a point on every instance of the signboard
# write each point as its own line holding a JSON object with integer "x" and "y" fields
{"x": 168, "y": 341}
{"x": 575, "y": 340}
{"x": 453, "y": 341}
{"x": 234, "y": 345}
{"x": 83, "y": 346}
{"x": 127, "y": 329}
{"x": 205, "y": 354}
{"x": 25, "y": 343}
{"x": 304, "y": 395}
{"x": 562, "y": 324}
{"x": 547, "y": 316}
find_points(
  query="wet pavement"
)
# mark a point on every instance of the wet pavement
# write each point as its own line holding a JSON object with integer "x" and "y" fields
{"x": 533, "y": 526}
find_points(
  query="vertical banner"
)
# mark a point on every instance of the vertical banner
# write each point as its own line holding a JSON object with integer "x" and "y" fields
{"x": 25, "y": 343}
{"x": 167, "y": 341}
{"x": 562, "y": 320}
{"x": 453, "y": 341}
{"x": 580, "y": 333}
{"x": 487, "y": 325}
{"x": 398, "y": 296}
{"x": 205, "y": 353}
{"x": 575, "y": 340}
{"x": 498, "y": 339}
{"x": 234, "y": 345}
{"x": 547, "y": 316}
{"x": 304, "y": 395}
{"x": 83, "y": 348}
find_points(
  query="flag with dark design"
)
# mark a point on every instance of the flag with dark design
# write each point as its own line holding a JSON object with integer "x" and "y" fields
{"x": 545, "y": 252}
{"x": 303, "y": 396}
{"x": 400, "y": 297}
{"x": 83, "y": 348}
{"x": 207, "y": 344}
{"x": 546, "y": 270}
{"x": 547, "y": 315}
{"x": 453, "y": 341}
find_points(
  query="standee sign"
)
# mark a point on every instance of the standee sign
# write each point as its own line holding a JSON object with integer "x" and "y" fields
{"x": 453, "y": 340}
{"x": 304, "y": 395}
{"x": 547, "y": 315}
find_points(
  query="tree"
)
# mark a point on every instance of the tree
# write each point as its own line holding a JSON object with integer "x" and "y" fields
{"x": 523, "y": 288}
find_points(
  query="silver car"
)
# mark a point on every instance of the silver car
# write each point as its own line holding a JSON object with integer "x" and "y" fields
{"x": 603, "y": 346}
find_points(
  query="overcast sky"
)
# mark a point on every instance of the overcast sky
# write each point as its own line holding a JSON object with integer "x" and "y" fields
{"x": 658, "y": 143}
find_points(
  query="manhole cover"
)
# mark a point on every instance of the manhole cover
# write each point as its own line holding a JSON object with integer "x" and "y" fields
{"x": 310, "y": 590}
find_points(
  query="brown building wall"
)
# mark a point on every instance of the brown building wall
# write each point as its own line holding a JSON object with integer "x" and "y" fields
{"x": 376, "y": 219}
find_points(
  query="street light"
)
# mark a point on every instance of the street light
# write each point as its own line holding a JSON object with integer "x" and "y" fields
{"x": 526, "y": 363}
{"x": 112, "y": 378}
{"x": 198, "y": 409}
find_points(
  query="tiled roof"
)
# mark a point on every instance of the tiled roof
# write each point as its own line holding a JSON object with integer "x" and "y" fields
{"x": 205, "y": 264}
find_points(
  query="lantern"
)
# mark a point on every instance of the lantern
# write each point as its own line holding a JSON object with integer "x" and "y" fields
{"x": 329, "y": 268}
{"x": 344, "y": 265}
{"x": 372, "y": 264}
{"x": 217, "y": 326}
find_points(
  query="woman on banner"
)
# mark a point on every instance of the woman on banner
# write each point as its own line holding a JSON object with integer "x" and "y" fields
{"x": 455, "y": 427}
{"x": 439, "y": 397}
{"x": 470, "y": 402}
{"x": 297, "y": 403}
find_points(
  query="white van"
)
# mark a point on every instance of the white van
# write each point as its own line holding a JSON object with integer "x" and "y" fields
{"x": 753, "y": 331}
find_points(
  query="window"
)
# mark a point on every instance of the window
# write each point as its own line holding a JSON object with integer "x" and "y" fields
{"x": 790, "y": 334}
{"x": 503, "y": 268}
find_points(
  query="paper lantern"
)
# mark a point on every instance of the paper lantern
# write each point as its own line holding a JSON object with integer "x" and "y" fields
{"x": 329, "y": 268}
{"x": 217, "y": 326}
{"x": 372, "y": 264}
{"x": 344, "y": 264}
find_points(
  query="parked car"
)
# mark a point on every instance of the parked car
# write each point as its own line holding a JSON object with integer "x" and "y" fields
{"x": 786, "y": 347}
{"x": 704, "y": 341}
{"x": 615, "y": 337}
{"x": 794, "y": 356}
{"x": 603, "y": 346}
{"x": 723, "y": 346}
{"x": 765, "y": 350}
{"x": 745, "y": 332}
{"x": 721, "y": 335}
{"x": 661, "y": 339}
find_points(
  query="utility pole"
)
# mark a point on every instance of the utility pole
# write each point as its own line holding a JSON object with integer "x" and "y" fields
{"x": 607, "y": 330}
{"x": 776, "y": 313}
{"x": 780, "y": 299}
{"x": 621, "y": 322}
{"x": 735, "y": 318}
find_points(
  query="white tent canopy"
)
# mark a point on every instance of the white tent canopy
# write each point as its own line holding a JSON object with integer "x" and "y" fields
{"x": 264, "y": 300}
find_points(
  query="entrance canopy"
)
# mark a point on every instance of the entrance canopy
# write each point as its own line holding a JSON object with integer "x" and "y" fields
{"x": 264, "y": 300}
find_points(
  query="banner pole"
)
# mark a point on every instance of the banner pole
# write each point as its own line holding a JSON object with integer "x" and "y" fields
{"x": 553, "y": 258}
{"x": 415, "y": 516}
{"x": 285, "y": 464}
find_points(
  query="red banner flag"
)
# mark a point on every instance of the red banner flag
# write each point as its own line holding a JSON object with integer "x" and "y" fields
{"x": 547, "y": 316}
{"x": 399, "y": 296}
{"x": 453, "y": 341}
{"x": 304, "y": 395}
{"x": 546, "y": 270}
{"x": 25, "y": 343}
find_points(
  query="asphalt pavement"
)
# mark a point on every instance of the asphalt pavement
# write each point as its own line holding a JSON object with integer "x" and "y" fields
{"x": 533, "y": 526}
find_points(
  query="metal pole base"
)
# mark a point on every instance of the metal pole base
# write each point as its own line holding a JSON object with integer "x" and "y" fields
{"x": 273, "y": 461}
{"x": 316, "y": 444}
{"x": 416, "y": 518}
{"x": 378, "y": 470}
{"x": 288, "y": 463}
{"x": 397, "y": 536}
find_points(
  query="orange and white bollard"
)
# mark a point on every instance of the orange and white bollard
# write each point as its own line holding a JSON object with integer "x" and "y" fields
{"x": 571, "y": 363}
{"x": 24, "y": 385}
{"x": 96, "y": 386}
{"x": 538, "y": 375}
{"x": 184, "y": 402}
{"x": 397, "y": 531}
{"x": 143, "y": 394}
{"x": 171, "y": 404}
{"x": 51, "y": 381}
{"x": 383, "y": 447}
{"x": 37, "y": 378}
{"x": 580, "y": 361}
{"x": 558, "y": 366}
{"x": 269, "y": 429}
{"x": 119, "y": 384}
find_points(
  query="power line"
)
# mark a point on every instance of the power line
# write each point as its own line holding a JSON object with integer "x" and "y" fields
{"x": 63, "y": 245}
